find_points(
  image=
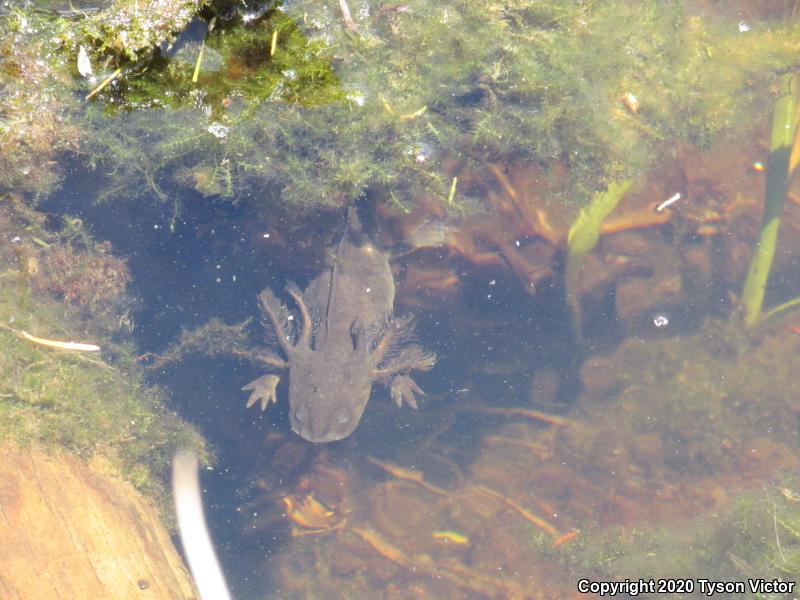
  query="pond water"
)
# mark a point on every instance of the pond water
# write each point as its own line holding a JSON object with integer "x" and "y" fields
{"x": 566, "y": 197}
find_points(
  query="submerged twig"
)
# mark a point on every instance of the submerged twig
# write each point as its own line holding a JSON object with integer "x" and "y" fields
{"x": 103, "y": 84}
{"x": 407, "y": 475}
{"x": 465, "y": 578}
{"x": 403, "y": 117}
{"x": 273, "y": 45}
{"x": 536, "y": 448}
{"x": 528, "y": 413}
{"x": 381, "y": 546}
{"x": 777, "y": 536}
{"x": 347, "y": 17}
{"x": 196, "y": 74}
{"x": 523, "y": 512}
{"x": 61, "y": 345}
{"x": 452, "y": 193}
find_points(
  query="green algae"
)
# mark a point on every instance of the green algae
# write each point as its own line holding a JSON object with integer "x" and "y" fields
{"x": 335, "y": 111}
{"x": 477, "y": 81}
{"x": 242, "y": 72}
{"x": 208, "y": 136}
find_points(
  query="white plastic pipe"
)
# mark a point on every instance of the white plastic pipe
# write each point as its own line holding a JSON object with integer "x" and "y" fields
{"x": 197, "y": 546}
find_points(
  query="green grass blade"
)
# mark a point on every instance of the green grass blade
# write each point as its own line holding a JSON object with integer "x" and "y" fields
{"x": 582, "y": 238}
{"x": 784, "y": 124}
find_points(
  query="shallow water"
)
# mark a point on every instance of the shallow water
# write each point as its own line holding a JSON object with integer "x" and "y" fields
{"x": 663, "y": 445}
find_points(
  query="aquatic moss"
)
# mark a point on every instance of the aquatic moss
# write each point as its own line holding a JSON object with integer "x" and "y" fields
{"x": 211, "y": 136}
{"x": 236, "y": 71}
{"x": 545, "y": 83}
{"x": 132, "y": 28}
{"x": 335, "y": 114}
{"x": 39, "y": 107}
{"x": 37, "y": 117}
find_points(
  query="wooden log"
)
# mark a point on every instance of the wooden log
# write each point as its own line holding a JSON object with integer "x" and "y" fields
{"x": 69, "y": 529}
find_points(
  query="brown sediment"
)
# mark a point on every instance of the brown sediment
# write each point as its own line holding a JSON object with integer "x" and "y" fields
{"x": 604, "y": 472}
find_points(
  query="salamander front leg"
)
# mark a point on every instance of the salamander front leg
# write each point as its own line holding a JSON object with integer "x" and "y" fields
{"x": 403, "y": 389}
{"x": 263, "y": 389}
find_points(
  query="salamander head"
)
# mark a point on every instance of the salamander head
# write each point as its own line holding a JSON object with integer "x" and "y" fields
{"x": 326, "y": 406}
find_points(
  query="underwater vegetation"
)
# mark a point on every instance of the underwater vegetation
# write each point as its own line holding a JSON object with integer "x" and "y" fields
{"x": 431, "y": 81}
{"x": 705, "y": 424}
{"x": 284, "y": 105}
{"x": 502, "y": 82}
{"x": 80, "y": 402}
{"x": 39, "y": 108}
{"x": 82, "y": 279}
{"x": 36, "y": 108}
{"x": 302, "y": 107}
{"x": 133, "y": 28}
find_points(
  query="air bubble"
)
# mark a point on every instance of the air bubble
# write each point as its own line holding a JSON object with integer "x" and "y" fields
{"x": 420, "y": 152}
{"x": 218, "y": 130}
{"x": 660, "y": 320}
{"x": 356, "y": 94}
